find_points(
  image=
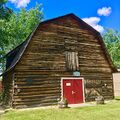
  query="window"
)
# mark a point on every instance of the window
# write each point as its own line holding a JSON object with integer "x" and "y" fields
{"x": 72, "y": 61}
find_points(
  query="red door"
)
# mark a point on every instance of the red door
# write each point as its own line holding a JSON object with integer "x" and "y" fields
{"x": 73, "y": 90}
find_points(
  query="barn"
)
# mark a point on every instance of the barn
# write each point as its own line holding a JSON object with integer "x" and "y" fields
{"x": 63, "y": 58}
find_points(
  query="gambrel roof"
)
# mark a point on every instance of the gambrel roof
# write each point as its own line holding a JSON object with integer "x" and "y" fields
{"x": 15, "y": 55}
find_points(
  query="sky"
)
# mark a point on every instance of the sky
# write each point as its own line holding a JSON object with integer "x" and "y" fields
{"x": 100, "y": 14}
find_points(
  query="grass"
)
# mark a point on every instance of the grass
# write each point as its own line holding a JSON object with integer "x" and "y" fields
{"x": 109, "y": 111}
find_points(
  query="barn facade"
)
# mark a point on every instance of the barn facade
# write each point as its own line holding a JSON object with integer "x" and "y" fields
{"x": 62, "y": 58}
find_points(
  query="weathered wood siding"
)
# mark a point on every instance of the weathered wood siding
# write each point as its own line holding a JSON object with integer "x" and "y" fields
{"x": 38, "y": 73}
{"x": 8, "y": 88}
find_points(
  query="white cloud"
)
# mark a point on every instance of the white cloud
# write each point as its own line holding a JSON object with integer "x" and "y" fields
{"x": 20, "y": 3}
{"x": 105, "y": 11}
{"x": 93, "y": 21}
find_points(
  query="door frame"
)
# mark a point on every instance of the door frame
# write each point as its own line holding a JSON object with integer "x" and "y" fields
{"x": 76, "y": 78}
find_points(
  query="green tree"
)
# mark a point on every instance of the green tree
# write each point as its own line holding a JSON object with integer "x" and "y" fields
{"x": 22, "y": 24}
{"x": 112, "y": 40}
{"x": 17, "y": 29}
{"x": 5, "y": 12}
{"x": 3, "y": 43}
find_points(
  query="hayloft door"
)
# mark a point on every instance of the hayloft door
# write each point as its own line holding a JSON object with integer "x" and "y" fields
{"x": 73, "y": 90}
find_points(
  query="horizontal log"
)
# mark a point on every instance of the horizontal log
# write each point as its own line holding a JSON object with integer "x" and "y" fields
{"x": 91, "y": 73}
{"x": 97, "y": 77}
{"x": 42, "y": 89}
{"x": 54, "y": 76}
{"x": 35, "y": 96}
{"x": 94, "y": 69}
{"x": 42, "y": 59}
{"x": 35, "y": 102}
{"x": 44, "y": 35}
{"x": 43, "y": 64}
{"x": 95, "y": 61}
{"x": 38, "y": 92}
{"x": 94, "y": 65}
{"x": 36, "y": 99}
{"x": 25, "y": 68}
{"x": 91, "y": 86}
{"x": 33, "y": 105}
{"x": 69, "y": 30}
{"x": 37, "y": 86}
{"x": 36, "y": 78}
{"x": 36, "y": 82}
{"x": 40, "y": 72}
{"x": 91, "y": 58}
{"x": 30, "y": 85}
{"x": 53, "y": 73}
{"x": 95, "y": 81}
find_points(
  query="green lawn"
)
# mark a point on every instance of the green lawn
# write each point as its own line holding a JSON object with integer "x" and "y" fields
{"x": 109, "y": 111}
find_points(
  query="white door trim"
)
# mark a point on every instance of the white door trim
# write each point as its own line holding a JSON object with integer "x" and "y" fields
{"x": 75, "y": 78}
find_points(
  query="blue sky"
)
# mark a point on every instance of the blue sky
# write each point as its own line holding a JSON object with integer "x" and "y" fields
{"x": 100, "y": 14}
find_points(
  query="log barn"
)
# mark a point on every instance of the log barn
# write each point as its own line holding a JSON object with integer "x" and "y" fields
{"x": 63, "y": 58}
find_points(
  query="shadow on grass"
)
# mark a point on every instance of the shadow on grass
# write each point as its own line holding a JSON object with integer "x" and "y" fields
{"x": 117, "y": 98}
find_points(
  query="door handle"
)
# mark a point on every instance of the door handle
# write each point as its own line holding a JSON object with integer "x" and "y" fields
{"x": 73, "y": 92}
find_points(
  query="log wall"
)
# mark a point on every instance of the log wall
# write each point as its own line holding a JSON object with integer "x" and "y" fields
{"x": 8, "y": 88}
{"x": 38, "y": 74}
